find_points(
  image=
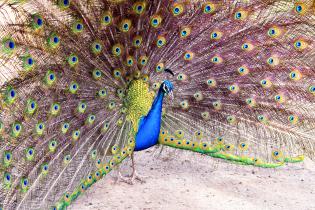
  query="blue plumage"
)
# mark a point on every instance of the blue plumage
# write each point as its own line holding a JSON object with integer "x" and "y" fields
{"x": 149, "y": 126}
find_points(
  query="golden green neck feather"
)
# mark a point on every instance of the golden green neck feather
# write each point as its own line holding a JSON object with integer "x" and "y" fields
{"x": 138, "y": 101}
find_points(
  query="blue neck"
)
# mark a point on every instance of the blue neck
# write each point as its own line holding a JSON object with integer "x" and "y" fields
{"x": 149, "y": 126}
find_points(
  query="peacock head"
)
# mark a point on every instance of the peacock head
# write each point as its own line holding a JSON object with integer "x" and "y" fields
{"x": 167, "y": 87}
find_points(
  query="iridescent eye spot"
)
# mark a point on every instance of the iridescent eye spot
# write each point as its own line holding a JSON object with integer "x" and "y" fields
{"x": 143, "y": 60}
{"x": 251, "y": 102}
{"x": 16, "y": 129}
{"x": 8, "y": 156}
{"x": 55, "y": 109}
{"x": 234, "y": 88}
{"x": 198, "y": 96}
{"x": 217, "y": 105}
{"x": 64, "y": 4}
{"x": 208, "y": 8}
{"x": 77, "y": 27}
{"x": 52, "y": 145}
{"x": 273, "y": 61}
{"x": 185, "y": 32}
{"x": 266, "y": 83}
{"x": 161, "y": 41}
{"x": 50, "y": 78}
{"x": 277, "y": 155}
{"x": 97, "y": 74}
{"x": 188, "y": 56}
{"x": 8, "y": 177}
{"x": 243, "y": 146}
{"x": 262, "y": 119}
{"x": 129, "y": 61}
{"x": 181, "y": 77}
{"x": 311, "y": 89}
{"x": 137, "y": 41}
{"x": 240, "y": 15}
{"x": 117, "y": 50}
{"x": 274, "y": 32}
{"x": 243, "y": 70}
{"x": 177, "y": 9}
{"x": 216, "y": 35}
{"x": 73, "y": 60}
{"x": 81, "y": 107}
{"x": 156, "y": 21}
{"x": 293, "y": 119}
{"x": 12, "y": 93}
{"x": 106, "y": 19}
{"x": 300, "y": 8}
{"x": 96, "y": 47}
{"x": 216, "y": 59}
{"x": 247, "y": 46}
{"x": 37, "y": 22}
{"x": 279, "y": 98}
{"x": 11, "y": 45}
{"x": 111, "y": 105}
{"x": 102, "y": 93}
{"x": 125, "y": 25}
{"x": 211, "y": 83}
{"x": 156, "y": 86}
{"x": 76, "y": 135}
{"x": 159, "y": 67}
{"x": 295, "y": 75}
{"x": 231, "y": 119}
{"x": 56, "y": 39}
{"x": 8, "y": 46}
{"x": 139, "y": 7}
{"x": 300, "y": 45}
{"x": 73, "y": 87}
{"x": 184, "y": 104}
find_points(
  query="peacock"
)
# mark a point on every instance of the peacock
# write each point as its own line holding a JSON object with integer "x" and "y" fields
{"x": 85, "y": 84}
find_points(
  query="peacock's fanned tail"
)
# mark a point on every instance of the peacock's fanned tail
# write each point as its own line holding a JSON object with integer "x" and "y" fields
{"x": 77, "y": 76}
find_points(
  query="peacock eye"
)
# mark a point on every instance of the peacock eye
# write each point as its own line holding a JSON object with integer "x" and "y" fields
{"x": 117, "y": 50}
{"x": 156, "y": 21}
{"x": 161, "y": 41}
{"x": 106, "y": 18}
{"x": 139, "y": 7}
{"x": 216, "y": 59}
{"x": 185, "y": 32}
{"x": 238, "y": 15}
{"x": 159, "y": 67}
{"x": 177, "y": 9}
{"x": 56, "y": 39}
{"x": 216, "y": 35}
{"x": 143, "y": 60}
{"x": 208, "y": 8}
{"x": 9, "y": 43}
{"x": 125, "y": 25}
{"x": 300, "y": 8}
{"x": 188, "y": 56}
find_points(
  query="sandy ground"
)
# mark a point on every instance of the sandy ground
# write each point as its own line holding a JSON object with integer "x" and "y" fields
{"x": 186, "y": 180}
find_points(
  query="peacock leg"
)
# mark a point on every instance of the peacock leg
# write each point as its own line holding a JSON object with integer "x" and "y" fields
{"x": 134, "y": 175}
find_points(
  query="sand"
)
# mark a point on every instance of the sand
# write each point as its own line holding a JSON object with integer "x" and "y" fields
{"x": 186, "y": 180}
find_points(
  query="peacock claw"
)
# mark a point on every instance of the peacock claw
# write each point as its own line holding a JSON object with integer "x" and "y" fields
{"x": 130, "y": 179}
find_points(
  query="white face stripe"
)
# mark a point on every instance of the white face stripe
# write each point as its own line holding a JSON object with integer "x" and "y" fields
{"x": 165, "y": 88}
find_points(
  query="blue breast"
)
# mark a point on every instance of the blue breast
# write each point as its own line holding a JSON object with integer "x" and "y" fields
{"x": 149, "y": 126}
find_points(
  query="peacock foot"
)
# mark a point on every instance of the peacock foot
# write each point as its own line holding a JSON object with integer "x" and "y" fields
{"x": 131, "y": 179}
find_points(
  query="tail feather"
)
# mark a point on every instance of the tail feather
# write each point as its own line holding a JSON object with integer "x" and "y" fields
{"x": 243, "y": 87}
